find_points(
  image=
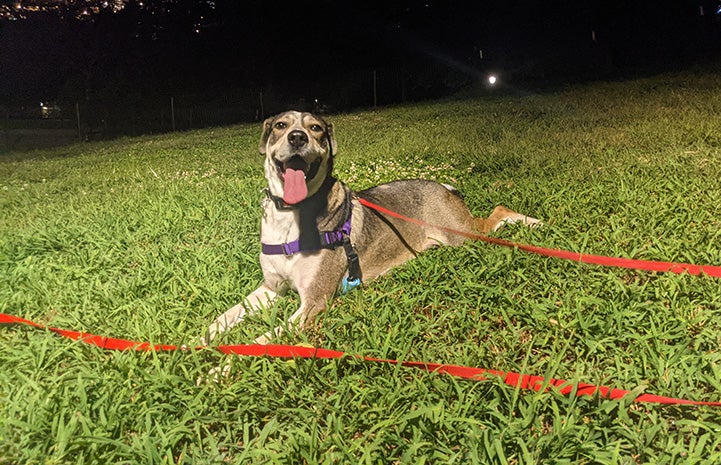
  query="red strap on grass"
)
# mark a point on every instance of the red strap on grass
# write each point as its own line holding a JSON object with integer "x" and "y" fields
{"x": 646, "y": 265}
{"x": 515, "y": 380}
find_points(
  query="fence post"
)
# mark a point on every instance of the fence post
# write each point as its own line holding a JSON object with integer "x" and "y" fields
{"x": 172, "y": 112}
{"x": 262, "y": 110}
{"x": 7, "y": 129}
{"x": 375, "y": 89}
{"x": 77, "y": 116}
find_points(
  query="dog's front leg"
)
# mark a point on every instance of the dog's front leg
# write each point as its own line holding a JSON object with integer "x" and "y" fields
{"x": 313, "y": 300}
{"x": 316, "y": 280}
{"x": 277, "y": 331}
{"x": 256, "y": 300}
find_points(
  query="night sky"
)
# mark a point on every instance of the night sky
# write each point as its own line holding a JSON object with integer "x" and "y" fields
{"x": 224, "y": 51}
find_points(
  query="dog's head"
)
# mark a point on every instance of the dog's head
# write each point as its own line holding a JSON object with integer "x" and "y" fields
{"x": 298, "y": 149}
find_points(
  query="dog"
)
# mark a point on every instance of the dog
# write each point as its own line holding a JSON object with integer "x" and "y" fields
{"x": 317, "y": 238}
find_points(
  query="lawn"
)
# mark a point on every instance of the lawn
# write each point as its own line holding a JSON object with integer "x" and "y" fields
{"x": 151, "y": 238}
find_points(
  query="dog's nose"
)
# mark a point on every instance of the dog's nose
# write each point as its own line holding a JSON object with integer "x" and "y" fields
{"x": 297, "y": 138}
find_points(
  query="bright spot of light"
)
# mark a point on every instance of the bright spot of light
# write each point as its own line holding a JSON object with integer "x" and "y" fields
{"x": 492, "y": 79}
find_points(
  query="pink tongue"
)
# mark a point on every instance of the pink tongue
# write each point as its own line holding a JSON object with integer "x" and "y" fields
{"x": 295, "y": 189}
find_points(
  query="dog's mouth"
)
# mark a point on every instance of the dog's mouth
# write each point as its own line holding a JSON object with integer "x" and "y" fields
{"x": 296, "y": 173}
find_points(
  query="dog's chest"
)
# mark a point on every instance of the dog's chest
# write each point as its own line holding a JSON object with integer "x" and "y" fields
{"x": 294, "y": 271}
{"x": 279, "y": 226}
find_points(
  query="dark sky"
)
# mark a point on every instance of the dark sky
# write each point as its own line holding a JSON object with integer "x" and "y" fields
{"x": 292, "y": 49}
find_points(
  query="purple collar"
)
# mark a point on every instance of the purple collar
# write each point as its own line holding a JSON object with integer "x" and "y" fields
{"x": 328, "y": 240}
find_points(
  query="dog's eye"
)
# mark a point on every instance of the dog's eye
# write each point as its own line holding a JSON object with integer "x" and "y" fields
{"x": 316, "y": 128}
{"x": 280, "y": 125}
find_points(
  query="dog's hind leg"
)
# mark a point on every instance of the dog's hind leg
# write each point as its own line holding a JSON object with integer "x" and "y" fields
{"x": 256, "y": 300}
{"x": 500, "y": 216}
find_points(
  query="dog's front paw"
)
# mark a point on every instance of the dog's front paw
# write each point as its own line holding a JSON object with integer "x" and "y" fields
{"x": 210, "y": 334}
{"x": 215, "y": 375}
{"x": 218, "y": 371}
{"x": 267, "y": 338}
{"x": 532, "y": 222}
{"x": 206, "y": 339}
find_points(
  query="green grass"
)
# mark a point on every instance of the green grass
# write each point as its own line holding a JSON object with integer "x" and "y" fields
{"x": 151, "y": 238}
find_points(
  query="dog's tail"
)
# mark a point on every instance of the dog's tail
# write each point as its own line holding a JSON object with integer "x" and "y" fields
{"x": 453, "y": 190}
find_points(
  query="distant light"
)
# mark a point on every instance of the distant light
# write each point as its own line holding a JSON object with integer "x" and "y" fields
{"x": 492, "y": 79}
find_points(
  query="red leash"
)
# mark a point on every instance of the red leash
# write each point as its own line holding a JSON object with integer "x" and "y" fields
{"x": 646, "y": 265}
{"x": 515, "y": 380}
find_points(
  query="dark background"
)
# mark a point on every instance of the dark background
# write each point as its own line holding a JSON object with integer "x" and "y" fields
{"x": 225, "y": 61}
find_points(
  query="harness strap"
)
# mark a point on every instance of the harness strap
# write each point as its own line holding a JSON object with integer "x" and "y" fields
{"x": 328, "y": 240}
{"x": 278, "y": 201}
{"x": 355, "y": 275}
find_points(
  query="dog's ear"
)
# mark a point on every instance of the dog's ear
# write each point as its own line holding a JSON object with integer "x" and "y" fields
{"x": 267, "y": 129}
{"x": 331, "y": 138}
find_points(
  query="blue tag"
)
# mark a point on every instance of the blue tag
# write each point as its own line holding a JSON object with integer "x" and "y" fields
{"x": 349, "y": 285}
